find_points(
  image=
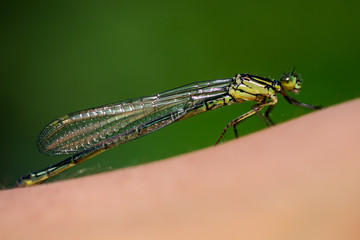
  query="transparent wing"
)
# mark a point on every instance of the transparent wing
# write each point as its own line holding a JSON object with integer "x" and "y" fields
{"x": 120, "y": 122}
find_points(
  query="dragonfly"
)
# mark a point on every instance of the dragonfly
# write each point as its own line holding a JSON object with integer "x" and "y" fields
{"x": 87, "y": 133}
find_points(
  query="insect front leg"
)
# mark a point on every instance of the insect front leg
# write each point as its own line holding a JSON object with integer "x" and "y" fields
{"x": 294, "y": 102}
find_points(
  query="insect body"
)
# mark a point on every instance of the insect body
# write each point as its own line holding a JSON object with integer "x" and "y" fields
{"x": 89, "y": 132}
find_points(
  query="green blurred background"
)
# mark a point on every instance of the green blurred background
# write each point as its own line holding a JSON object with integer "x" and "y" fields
{"x": 62, "y": 56}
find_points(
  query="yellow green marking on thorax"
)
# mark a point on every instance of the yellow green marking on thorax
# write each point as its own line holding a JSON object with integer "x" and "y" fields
{"x": 251, "y": 88}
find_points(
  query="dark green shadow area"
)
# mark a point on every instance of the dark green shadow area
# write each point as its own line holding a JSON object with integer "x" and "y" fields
{"x": 66, "y": 56}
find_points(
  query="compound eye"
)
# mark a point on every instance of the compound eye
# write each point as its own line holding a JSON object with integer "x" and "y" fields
{"x": 288, "y": 82}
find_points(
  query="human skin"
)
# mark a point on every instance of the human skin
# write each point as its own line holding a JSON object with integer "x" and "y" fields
{"x": 296, "y": 180}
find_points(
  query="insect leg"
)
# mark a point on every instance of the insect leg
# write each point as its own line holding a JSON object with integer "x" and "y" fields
{"x": 294, "y": 102}
{"x": 236, "y": 121}
{"x": 255, "y": 109}
{"x": 266, "y": 117}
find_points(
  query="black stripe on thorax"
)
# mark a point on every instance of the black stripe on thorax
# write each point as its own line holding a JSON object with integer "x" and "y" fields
{"x": 258, "y": 79}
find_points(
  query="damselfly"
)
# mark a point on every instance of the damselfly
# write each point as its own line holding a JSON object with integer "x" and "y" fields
{"x": 89, "y": 132}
